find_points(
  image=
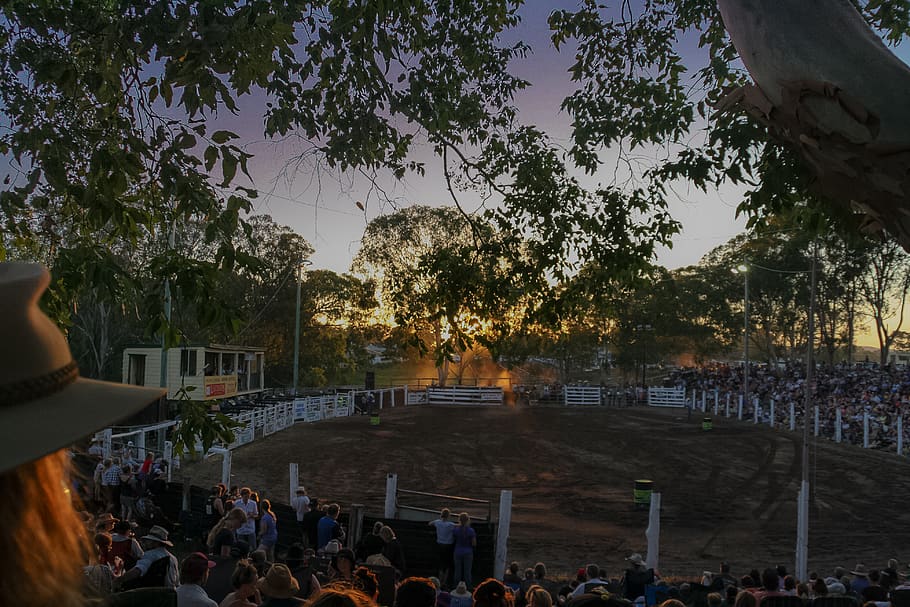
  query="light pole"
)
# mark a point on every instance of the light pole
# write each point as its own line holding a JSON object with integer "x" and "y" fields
{"x": 743, "y": 269}
{"x": 300, "y": 266}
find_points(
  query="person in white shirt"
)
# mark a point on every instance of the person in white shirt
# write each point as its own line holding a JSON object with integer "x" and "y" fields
{"x": 300, "y": 503}
{"x": 247, "y": 531}
{"x": 445, "y": 543}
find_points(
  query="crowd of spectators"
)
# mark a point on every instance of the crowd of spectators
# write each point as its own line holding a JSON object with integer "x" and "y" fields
{"x": 854, "y": 390}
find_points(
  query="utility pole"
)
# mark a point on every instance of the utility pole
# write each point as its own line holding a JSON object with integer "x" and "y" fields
{"x": 802, "y": 525}
{"x": 297, "y": 332}
{"x": 171, "y": 237}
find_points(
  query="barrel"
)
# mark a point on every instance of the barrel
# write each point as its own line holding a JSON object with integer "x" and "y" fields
{"x": 642, "y": 493}
{"x": 374, "y": 420}
{"x": 707, "y": 424}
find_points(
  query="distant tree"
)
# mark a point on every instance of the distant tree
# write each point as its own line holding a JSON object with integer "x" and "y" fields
{"x": 883, "y": 288}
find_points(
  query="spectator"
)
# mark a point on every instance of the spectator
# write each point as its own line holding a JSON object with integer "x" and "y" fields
{"x": 124, "y": 546}
{"x": 461, "y": 597}
{"x": 220, "y": 582}
{"x": 247, "y": 531}
{"x": 260, "y": 560}
{"x": 860, "y": 579}
{"x": 214, "y": 504}
{"x": 328, "y": 528}
{"x": 268, "y": 530}
{"x": 445, "y": 544}
{"x": 311, "y": 524}
{"x": 415, "y": 592}
{"x": 492, "y": 593}
{"x": 512, "y": 579}
{"x": 537, "y": 596}
{"x": 100, "y": 573}
{"x": 194, "y": 572}
{"x": 393, "y": 550}
{"x": 465, "y": 543}
{"x": 223, "y": 534}
{"x": 340, "y": 597}
{"x": 157, "y": 567}
{"x": 279, "y": 588}
{"x": 638, "y": 575}
{"x": 370, "y": 543}
{"x": 300, "y": 561}
{"x": 244, "y": 580}
{"x": 746, "y": 599}
{"x": 592, "y": 581}
{"x": 300, "y": 503}
{"x": 366, "y": 582}
{"x": 342, "y": 566}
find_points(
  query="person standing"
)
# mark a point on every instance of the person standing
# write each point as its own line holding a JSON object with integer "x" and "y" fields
{"x": 465, "y": 542}
{"x": 157, "y": 567}
{"x": 445, "y": 544}
{"x": 301, "y": 505}
{"x": 311, "y": 524}
{"x": 328, "y": 528}
{"x": 247, "y": 531}
{"x": 268, "y": 530}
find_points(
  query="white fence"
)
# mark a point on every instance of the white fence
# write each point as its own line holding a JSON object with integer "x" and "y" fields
{"x": 464, "y": 395}
{"x": 862, "y": 428}
{"x": 582, "y": 396}
{"x": 667, "y": 397}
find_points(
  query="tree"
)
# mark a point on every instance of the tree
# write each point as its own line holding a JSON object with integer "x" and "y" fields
{"x": 883, "y": 287}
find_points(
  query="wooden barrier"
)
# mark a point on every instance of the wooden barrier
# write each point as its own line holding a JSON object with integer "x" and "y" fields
{"x": 464, "y": 395}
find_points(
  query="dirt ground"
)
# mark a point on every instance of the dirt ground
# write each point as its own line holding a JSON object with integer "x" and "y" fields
{"x": 728, "y": 494}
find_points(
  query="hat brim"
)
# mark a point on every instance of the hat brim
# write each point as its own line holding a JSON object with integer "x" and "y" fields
{"x": 152, "y": 538}
{"x": 44, "y": 425}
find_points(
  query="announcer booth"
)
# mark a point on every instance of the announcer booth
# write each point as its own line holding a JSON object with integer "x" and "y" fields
{"x": 213, "y": 371}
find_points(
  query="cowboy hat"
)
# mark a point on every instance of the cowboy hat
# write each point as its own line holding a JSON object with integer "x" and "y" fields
{"x": 635, "y": 559}
{"x": 44, "y": 401}
{"x": 860, "y": 570}
{"x": 158, "y": 534}
{"x": 278, "y": 583}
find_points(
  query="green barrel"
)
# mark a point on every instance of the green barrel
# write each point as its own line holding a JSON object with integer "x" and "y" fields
{"x": 642, "y": 494}
{"x": 707, "y": 424}
{"x": 374, "y": 420}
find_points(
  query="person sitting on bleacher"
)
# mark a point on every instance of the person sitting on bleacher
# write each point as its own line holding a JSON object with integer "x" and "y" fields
{"x": 636, "y": 577}
{"x": 592, "y": 581}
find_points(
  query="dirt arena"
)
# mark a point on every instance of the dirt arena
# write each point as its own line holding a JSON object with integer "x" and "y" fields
{"x": 727, "y": 494}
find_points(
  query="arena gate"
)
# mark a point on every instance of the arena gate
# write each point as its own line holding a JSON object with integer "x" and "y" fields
{"x": 412, "y": 510}
{"x": 464, "y": 395}
{"x": 666, "y": 397}
{"x": 582, "y": 396}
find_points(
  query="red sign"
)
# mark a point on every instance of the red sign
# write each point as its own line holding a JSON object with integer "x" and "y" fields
{"x": 214, "y": 390}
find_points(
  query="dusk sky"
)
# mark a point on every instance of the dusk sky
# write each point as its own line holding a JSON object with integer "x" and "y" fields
{"x": 321, "y": 206}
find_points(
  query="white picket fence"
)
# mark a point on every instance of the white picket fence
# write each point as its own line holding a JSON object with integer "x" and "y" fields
{"x": 666, "y": 397}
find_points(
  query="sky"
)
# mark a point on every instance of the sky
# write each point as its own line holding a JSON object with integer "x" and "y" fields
{"x": 322, "y": 206}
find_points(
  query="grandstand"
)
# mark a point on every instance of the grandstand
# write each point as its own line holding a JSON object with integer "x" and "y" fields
{"x": 727, "y": 494}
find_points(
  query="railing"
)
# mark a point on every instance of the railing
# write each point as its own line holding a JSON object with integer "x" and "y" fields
{"x": 582, "y": 396}
{"x": 464, "y": 395}
{"x": 863, "y": 428}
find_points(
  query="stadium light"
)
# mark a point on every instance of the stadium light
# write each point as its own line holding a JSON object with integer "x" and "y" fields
{"x": 743, "y": 269}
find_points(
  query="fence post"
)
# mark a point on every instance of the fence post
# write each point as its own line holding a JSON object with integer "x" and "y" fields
{"x": 355, "y": 526}
{"x": 381, "y": 398}
{"x": 704, "y": 398}
{"x": 755, "y": 412}
{"x": 865, "y": 429}
{"x": 168, "y": 456}
{"x": 502, "y": 534}
{"x": 900, "y": 433}
{"x": 792, "y": 416}
{"x": 405, "y": 397}
{"x": 391, "y": 492}
{"x": 727, "y": 406}
{"x": 106, "y": 442}
{"x": 740, "y": 415}
{"x": 293, "y": 481}
{"x": 771, "y": 419}
{"x": 226, "y": 467}
{"x": 816, "y": 420}
{"x": 837, "y": 428}
{"x": 716, "y": 398}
